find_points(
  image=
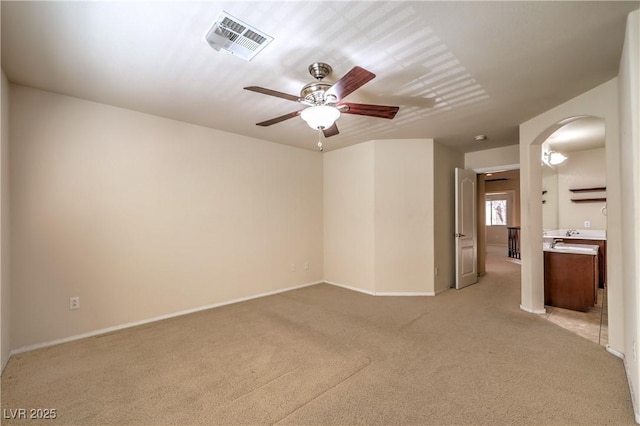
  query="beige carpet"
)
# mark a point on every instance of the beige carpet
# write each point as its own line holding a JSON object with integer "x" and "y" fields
{"x": 325, "y": 355}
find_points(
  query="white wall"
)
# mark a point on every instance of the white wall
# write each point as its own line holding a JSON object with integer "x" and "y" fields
{"x": 445, "y": 162}
{"x": 404, "y": 207}
{"x": 143, "y": 216}
{"x": 349, "y": 216}
{"x": 493, "y": 157}
{"x": 582, "y": 169}
{"x": 384, "y": 230}
{"x": 601, "y": 102}
{"x": 629, "y": 92}
{"x": 5, "y": 289}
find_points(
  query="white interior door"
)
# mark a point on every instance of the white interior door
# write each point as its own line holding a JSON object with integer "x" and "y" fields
{"x": 466, "y": 234}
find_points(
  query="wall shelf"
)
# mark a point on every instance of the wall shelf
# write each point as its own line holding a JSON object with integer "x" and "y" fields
{"x": 589, "y": 200}
{"x": 596, "y": 189}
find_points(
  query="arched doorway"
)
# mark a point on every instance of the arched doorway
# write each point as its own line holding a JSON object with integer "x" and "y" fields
{"x": 600, "y": 102}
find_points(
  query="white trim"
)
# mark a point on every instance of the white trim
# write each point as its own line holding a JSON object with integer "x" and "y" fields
{"x": 4, "y": 364}
{"x": 636, "y": 413}
{"x": 496, "y": 169}
{"x": 534, "y": 311}
{"x": 154, "y": 319}
{"x": 384, "y": 293}
{"x": 614, "y": 352}
{"x": 407, "y": 293}
{"x": 348, "y": 287}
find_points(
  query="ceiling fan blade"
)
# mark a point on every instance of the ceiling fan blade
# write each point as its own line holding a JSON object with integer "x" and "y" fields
{"x": 331, "y": 131}
{"x": 351, "y": 81}
{"x": 273, "y": 93}
{"x": 379, "y": 111}
{"x": 279, "y": 119}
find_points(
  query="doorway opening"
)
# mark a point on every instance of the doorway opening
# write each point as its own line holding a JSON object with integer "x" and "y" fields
{"x": 499, "y": 218}
{"x": 574, "y": 211}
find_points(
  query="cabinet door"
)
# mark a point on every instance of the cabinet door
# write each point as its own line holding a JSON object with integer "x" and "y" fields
{"x": 602, "y": 257}
{"x": 570, "y": 280}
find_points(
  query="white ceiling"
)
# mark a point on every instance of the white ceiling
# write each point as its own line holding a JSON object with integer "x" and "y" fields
{"x": 579, "y": 135}
{"x": 456, "y": 69}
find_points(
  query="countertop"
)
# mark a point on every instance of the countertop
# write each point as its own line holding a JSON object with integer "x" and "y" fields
{"x": 580, "y": 234}
{"x": 587, "y": 249}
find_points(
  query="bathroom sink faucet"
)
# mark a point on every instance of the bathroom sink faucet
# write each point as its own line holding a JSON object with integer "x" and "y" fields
{"x": 571, "y": 232}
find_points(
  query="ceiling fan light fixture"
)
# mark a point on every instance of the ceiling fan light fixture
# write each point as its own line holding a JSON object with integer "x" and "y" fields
{"x": 320, "y": 116}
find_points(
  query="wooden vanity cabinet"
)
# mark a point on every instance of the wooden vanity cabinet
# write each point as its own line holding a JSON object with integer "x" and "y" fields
{"x": 570, "y": 280}
{"x": 602, "y": 256}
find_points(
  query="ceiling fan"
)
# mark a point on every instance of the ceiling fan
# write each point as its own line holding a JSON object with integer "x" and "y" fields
{"x": 324, "y": 100}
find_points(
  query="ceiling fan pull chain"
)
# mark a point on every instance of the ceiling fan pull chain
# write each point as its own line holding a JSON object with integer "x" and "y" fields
{"x": 320, "y": 134}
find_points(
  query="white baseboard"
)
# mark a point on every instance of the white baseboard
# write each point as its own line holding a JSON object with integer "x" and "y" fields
{"x": 4, "y": 363}
{"x": 636, "y": 413}
{"x": 348, "y": 287}
{"x": 93, "y": 333}
{"x": 385, "y": 293}
{"x": 614, "y": 352}
{"x": 404, "y": 293}
{"x": 534, "y": 311}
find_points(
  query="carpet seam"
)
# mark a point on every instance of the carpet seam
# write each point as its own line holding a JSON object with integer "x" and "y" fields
{"x": 264, "y": 384}
{"x": 325, "y": 391}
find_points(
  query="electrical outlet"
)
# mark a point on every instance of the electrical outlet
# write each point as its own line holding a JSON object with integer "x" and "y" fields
{"x": 74, "y": 303}
{"x": 306, "y": 266}
{"x": 293, "y": 267}
{"x": 436, "y": 271}
{"x": 587, "y": 224}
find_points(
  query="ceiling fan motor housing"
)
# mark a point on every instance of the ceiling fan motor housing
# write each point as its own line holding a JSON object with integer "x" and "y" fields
{"x": 320, "y": 70}
{"x": 314, "y": 92}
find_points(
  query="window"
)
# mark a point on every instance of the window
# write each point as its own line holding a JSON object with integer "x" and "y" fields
{"x": 496, "y": 212}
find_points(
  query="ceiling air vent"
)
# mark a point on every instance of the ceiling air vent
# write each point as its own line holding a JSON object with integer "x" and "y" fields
{"x": 233, "y": 35}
